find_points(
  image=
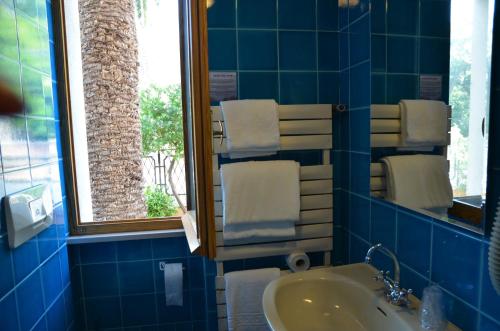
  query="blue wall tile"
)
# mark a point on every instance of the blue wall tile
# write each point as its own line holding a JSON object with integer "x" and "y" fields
{"x": 9, "y": 317}
{"x": 378, "y": 53}
{"x": 462, "y": 315}
{"x": 378, "y": 89}
{"x": 360, "y": 128}
{"x": 418, "y": 283}
{"x": 134, "y": 250}
{"x": 328, "y": 51}
{"x": 51, "y": 277}
{"x": 100, "y": 252}
{"x": 6, "y": 276}
{"x": 327, "y": 15}
{"x": 297, "y": 14}
{"x": 257, "y": 50}
{"x": 358, "y": 9}
{"x": 25, "y": 259}
{"x": 259, "y": 85}
{"x": 401, "y": 53}
{"x": 103, "y": 313}
{"x": 435, "y": 18}
{"x": 256, "y": 14}
{"x": 359, "y": 41}
{"x": 460, "y": 273}
{"x": 93, "y": 285}
{"x": 30, "y": 290}
{"x": 297, "y": 50}
{"x": 402, "y": 16}
{"x": 298, "y": 88}
{"x": 328, "y": 87}
{"x": 138, "y": 309}
{"x": 359, "y": 86}
{"x": 383, "y": 226}
{"x": 401, "y": 87}
{"x": 434, "y": 56}
{"x": 56, "y": 316}
{"x": 487, "y": 324}
{"x": 378, "y": 16}
{"x": 135, "y": 277}
{"x": 359, "y": 214}
{"x": 413, "y": 243}
{"x": 222, "y": 49}
{"x": 222, "y": 14}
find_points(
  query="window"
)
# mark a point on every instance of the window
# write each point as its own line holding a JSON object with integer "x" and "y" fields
{"x": 470, "y": 64}
{"x": 137, "y": 116}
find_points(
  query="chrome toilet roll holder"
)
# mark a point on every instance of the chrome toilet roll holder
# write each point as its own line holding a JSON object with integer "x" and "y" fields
{"x": 162, "y": 266}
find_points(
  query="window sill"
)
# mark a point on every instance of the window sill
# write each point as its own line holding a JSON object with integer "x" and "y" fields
{"x": 123, "y": 236}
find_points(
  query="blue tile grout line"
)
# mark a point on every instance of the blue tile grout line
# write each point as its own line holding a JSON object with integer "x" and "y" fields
{"x": 49, "y": 306}
{"x": 271, "y": 29}
{"x": 33, "y": 271}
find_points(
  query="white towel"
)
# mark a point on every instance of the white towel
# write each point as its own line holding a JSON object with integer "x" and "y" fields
{"x": 260, "y": 199}
{"x": 244, "y": 290}
{"x": 424, "y": 122}
{"x": 252, "y": 127}
{"x": 418, "y": 181}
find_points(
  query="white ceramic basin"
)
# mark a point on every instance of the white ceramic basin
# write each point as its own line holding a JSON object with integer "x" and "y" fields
{"x": 344, "y": 298}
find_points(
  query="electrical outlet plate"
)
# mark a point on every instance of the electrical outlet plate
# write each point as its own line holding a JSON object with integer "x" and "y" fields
{"x": 28, "y": 213}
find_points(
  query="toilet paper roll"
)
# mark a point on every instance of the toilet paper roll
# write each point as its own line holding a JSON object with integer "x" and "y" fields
{"x": 298, "y": 261}
{"x": 172, "y": 274}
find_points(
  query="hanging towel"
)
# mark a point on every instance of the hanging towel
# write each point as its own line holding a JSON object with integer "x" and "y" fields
{"x": 424, "y": 122}
{"x": 244, "y": 290}
{"x": 252, "y": 127}
{"x": 260, "y": 199}
{"x": 418, "y": 181}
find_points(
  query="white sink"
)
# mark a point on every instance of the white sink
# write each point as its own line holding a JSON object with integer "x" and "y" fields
{"x": 344, "y": 298}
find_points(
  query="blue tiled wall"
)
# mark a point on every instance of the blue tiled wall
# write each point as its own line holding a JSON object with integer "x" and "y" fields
{"x": 285, "y": 50}
{"x": 408, "y": 38}
{"x": 119, "y": 285}
{"x": 429, "y": 250}
{"x": 35, "y": 289}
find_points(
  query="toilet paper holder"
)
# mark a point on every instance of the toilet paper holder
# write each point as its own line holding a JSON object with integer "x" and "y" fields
{"x": 162, "y": 266}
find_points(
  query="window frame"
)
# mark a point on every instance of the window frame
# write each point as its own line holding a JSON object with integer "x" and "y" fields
{"x": 199, "y": 99}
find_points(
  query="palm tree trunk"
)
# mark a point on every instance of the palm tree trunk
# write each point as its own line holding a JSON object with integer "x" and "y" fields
{"x": 110, "y": 72}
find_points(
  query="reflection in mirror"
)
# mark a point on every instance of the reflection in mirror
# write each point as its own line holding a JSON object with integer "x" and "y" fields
{"x": 429, "y": 124}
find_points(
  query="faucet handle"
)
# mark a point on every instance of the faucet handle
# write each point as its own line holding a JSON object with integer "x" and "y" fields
{"x": 379, "y": 276}
{"x": 404, "y": 296}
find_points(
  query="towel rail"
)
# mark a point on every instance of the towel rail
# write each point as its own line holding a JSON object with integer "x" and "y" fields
{"x": 385, "y": 126}
{"x": 302, "y": 127}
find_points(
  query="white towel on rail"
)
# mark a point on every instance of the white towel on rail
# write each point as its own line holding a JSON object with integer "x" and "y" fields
{"x": 244, "y": 291}
{"x": 424, "y": 122}
{"x": 260, "y": 199}
{"x": 418, "y": 181}
{"x": 252, "y": 127}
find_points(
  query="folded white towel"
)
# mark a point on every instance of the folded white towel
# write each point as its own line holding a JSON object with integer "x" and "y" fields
{"x": 252, "y": 127}
{"x": 418, "y": 181}
{"x": 244, "y": 290}
{"x": 424, "y": 122}
{"x": 260, "y": 199}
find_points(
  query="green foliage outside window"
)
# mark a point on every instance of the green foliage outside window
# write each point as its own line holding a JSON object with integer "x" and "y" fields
{"x": 159, "y": 203}
{"x": 161, "y": 120}
{"x": 162, "y": 132}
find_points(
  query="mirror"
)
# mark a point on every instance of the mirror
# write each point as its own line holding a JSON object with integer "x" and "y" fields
{"x": 426, "y": 155}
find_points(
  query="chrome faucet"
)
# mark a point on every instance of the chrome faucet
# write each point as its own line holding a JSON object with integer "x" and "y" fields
{"x": 394, "y": 294}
